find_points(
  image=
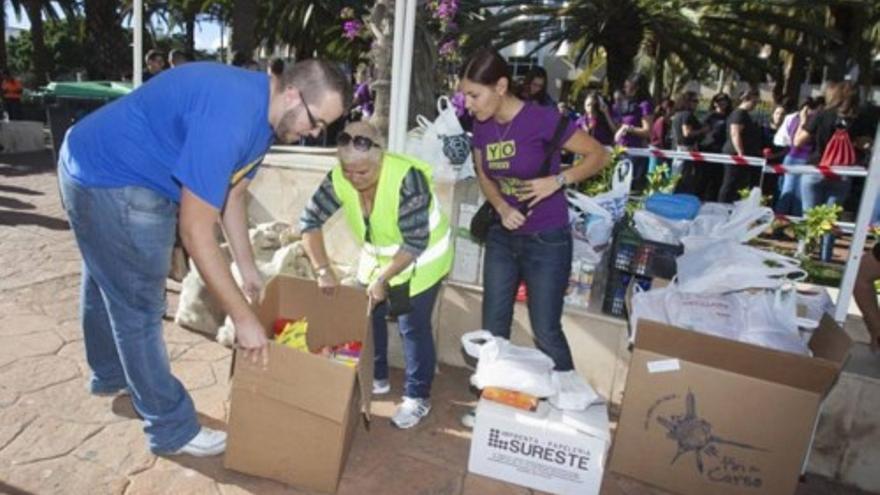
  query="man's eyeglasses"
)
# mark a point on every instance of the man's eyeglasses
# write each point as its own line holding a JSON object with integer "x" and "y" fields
{"x": 313, "y": 122}
{"x": 360, "y": 143}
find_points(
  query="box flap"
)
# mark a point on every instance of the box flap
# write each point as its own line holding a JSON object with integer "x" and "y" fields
{"x": 305, "y": 381}
{"x": 802, "y": 372}
{"x": 830, "y": 342}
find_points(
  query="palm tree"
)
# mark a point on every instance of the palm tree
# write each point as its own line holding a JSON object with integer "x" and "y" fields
{"x": 244, "y": 22}
{"x": 103, "y": 37}
{"x": 694, "y": 33}
{"x": 42, "y": 62}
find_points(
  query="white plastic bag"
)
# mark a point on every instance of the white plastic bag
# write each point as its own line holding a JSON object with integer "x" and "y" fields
{"x": 655, "y": 228}
{"x": 719, "y": 265}
{"x": 771, "y": 320}
{"x": 615, "y": 200}
{"x": 442, "y": 143}
{"x": 504, "y": 365}
{"x": 713, "y": 314}
{"x": 742, "y": 222}
{"x": 591, "y": 225}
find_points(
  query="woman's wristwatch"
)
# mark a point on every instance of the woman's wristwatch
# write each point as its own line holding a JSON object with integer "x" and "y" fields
{"x": 561, "y": 180}
{"x": 322, "y": 270}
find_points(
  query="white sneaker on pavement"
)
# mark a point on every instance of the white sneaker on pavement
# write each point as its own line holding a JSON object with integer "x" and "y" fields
{"x": 469, "y": 418}
{"x": 381, "y": 387}
{"x": 206, "y": 443}
{"x": 410, "y": 412}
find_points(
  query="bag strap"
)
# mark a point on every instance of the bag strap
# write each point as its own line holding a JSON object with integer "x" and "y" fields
{"x": 553, "y": 146}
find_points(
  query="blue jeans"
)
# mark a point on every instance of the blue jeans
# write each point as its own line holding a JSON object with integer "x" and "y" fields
{"x": 543, "y": 261}
{"x": 817, "y": 190}
{"x": 418, "y": 343}
{"x": 790, "y": 202}
{"x": 125, "y": 236}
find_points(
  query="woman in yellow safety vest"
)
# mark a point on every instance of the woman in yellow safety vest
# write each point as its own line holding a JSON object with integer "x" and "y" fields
{"x": 389, "y": 204}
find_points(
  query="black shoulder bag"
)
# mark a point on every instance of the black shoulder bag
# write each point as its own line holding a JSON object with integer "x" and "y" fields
{"x": 486, "y": 216}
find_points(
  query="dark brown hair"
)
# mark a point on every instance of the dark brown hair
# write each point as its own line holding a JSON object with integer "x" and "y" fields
{"x": 486, "y": 66}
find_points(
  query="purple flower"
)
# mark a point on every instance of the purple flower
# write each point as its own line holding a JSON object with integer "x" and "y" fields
{"x": 448, "y": 48}
{"x": 351, "y": 29}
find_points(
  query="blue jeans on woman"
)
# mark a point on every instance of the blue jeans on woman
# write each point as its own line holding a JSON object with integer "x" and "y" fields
{"x": 790, "y": 202}
{"x": 543, "y": 261}
{"x": 817, "y": 190}
{"x": 418, "y": 343}
{"x": 125, "y": 236}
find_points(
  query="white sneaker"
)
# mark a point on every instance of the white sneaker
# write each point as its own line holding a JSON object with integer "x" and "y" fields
{"x": 410, "y": 412}
{"x": 469, "y": 419}
{"x": 573, "y": 392}
{"x": 381, "y": 387}
{"x": 207, "y": 442}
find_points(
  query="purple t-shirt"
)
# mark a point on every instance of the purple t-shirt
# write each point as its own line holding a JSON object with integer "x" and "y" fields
{"x": 594, "y": 127}
{"x": 797, "y": 152}
{"x": 632, "y": 114}
{"x": 514, "y": 152}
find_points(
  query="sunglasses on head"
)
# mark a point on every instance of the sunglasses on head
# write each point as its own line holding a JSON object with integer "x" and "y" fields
{"x": 360, "y": 143}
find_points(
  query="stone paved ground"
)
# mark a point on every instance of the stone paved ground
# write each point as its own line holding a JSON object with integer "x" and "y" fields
{"x": 57, "y": 439}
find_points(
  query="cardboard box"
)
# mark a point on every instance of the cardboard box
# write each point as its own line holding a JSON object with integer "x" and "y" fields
{"x": 294, "y": 421}
{"x": 702, "y": 414}
{"x": 551, "y": 450}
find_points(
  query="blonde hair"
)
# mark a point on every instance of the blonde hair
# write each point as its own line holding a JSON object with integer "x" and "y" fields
{"x": 349, "y": 154}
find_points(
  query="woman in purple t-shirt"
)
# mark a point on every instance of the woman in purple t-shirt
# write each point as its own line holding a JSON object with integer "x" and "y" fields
{"x": 636, "y": 118}
{"x": 597, "y": 120}
{"x": 509, "y": 143}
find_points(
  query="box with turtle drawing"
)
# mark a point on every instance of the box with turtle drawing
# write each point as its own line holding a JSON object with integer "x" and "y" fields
{"x": 705, "y": 415}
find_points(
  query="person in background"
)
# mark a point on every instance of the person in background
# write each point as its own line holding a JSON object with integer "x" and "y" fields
{"x": 636, "y": 118}
{"x": 363, "y": 95}
{"x": 597, "y": 120}
{"x": 181, "y": 149}
{"x": 531, "y": 241}
{"x": 789, "y": 202}
{"x": 840, "y": 114}
{"x": 709, "y": 184}
{"x": 12, "y": 91}
{"x": 534, "y": 87}
{"x": 155, "y": 62}
{"x": 686, "y": 131}
{"x": 865, "y": 294}
{"x": 390, "y": 205}
{"x": 743, "y": 139}
{"x": 660, "y": 133}
{"x": 178, "y": 57}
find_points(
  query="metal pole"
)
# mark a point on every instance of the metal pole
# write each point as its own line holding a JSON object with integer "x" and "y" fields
{"x": 396, "y": 62}
{"x": 138, "y": 45}
{"x": 863, "y": 221}
{"x": 405, "y": 77}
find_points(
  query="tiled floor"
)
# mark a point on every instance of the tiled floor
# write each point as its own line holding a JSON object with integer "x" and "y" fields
{"x": 56, "y": 438}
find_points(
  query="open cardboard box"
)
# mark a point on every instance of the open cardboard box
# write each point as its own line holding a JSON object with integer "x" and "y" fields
{"x": 294, "y": 421}
{"x": 702, "y": 414}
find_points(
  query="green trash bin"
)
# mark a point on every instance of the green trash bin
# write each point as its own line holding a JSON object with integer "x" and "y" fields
{"x": 68, "y": 102}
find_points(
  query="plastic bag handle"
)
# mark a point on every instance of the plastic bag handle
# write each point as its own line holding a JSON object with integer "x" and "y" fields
{"x": 472, "y": 342}
{"x": 443, "y": 103}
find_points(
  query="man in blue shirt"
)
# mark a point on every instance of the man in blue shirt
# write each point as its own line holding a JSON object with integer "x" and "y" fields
{"x": 182, "y": 148}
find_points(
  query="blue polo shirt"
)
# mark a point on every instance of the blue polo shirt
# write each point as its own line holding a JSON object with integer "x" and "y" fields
{"x": 202, "y": 126}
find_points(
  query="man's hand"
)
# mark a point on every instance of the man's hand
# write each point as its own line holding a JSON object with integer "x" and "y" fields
{"x": 251, "y": 339}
